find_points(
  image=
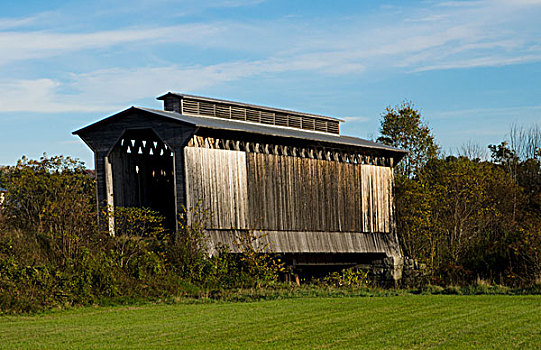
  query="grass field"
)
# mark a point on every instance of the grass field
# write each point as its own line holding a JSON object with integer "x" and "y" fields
{"x": 423, "y": 321}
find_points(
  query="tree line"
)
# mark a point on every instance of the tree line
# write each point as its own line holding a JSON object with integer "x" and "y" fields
{"x": 466, "y": 217}
{"x": 469, "y": 216}
{"x": 53, "y": 251}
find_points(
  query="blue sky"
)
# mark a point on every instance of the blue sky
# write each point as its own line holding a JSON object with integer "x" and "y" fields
{"x": 472, "y": 67}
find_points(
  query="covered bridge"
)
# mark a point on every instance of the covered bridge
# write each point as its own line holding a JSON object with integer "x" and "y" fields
{"x": 319, "y": 198}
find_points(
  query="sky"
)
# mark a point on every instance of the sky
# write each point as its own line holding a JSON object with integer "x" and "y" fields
{"x": 473, "y": 68}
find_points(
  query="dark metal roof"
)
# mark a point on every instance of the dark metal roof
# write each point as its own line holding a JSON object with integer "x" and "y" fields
{"x": 271, "y": 109}
{"x": 253, "y": 128}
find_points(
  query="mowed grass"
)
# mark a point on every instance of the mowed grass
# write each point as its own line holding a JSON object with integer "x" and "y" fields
{"x": 414, "y": 321}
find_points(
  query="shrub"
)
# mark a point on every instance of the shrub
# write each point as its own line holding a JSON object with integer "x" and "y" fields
{"x": 352, "y": 277}
{"x": 432, "y": 289}
{"x": 138, "y": 222}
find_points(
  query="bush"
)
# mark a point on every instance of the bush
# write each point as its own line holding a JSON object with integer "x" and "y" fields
{"x": 352, "y": 277}
{"x": 138, "y": 222}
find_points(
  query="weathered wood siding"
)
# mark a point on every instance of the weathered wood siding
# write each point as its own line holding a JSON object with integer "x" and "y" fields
{"x": 376, "y": 197}
{"x": 124, "y": 187}
{"x": 216, "y": 180}
{"x": 311, "y": 242}
{"x": 301, "y": 194}
{"x": 284, "y": 193}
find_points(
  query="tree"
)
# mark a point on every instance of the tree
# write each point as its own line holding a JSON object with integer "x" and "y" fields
{"x": 52, "y": 196}
{"x": 455, "y": 217}
{"x": 520, "y": 157}
{"x": 403, "y": 127}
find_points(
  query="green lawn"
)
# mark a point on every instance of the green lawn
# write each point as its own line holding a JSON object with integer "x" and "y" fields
{"x": 423, "y": 321}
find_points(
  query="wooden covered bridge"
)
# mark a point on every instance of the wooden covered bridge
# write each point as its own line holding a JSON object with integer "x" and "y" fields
{"x": 321, "y": 199}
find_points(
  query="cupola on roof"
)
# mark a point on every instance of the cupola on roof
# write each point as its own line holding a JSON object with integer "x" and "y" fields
{"x": 210, "y": 107}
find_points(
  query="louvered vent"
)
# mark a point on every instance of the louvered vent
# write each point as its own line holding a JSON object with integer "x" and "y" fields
{"x": 222, "y": 111}
{"x": 253, "y": 115}
{"x": 308, "y": 123}
{"x": 294, "y": 121}
{"x": 321, "y": 125}
{"x": 280, "y": 119}
{"x": 206, "y": 108}
{"x": 332, "y": 127}
{"x": 267, "y": 118}
{"x": 237, "y": 111}
{"x": 190, "y": 107}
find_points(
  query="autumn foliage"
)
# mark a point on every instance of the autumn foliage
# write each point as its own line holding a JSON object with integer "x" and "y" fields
{"x": 464, "y": 217}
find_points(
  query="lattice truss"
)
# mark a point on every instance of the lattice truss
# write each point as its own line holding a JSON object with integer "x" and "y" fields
{"x": 147, "y": 146}
{"x": 312, "y": 152}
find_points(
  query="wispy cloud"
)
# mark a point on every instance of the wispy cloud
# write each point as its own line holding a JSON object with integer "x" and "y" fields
{"x": 507, "y": 112}
{"x": 356, "y": 119}
{"x": 18, "y": 46}
{"x": 40, "y": 95}
{"x": 481, "y": 62}
{"x": 438, "y": 36}
{"x": 11, "y": 23}
{"x": 450, "y": 35}
{"x": 103, "y": 89}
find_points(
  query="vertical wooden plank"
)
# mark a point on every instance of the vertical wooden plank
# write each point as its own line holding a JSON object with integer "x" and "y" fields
{"x": 384, "y": 199}
{"x": 347, "y": 198}
{"x": 380, "y": 199}
{"x": 228, "y": 199}
{"x": 375, "y": 204}
{"x": 263, "y": 191}
{"x": 323, "y": 190}
{"x": 315, "y": 220}
{"x": 310, "y": 220}
{"x": 188, "y": 183}
{"x": 216, "y": 175}
{"x": 389, "y": 184}
{"x": 278, "y": 195}
{"x": 365, "y": 197}
{"x": 262, "y": 195}
{"x": 323, "y": 205}
{"x": 286, "y": 161}
{"x": 297, "y": 204}
{"x": 300, "y": 192}
{"x": 284, "y": 199}
{"x": 234, "y": 194}
{"x": 252, "y": 183}
{"x": 235, "y": 190}
{"x": 271, "y": 213}
{"x": 244, "y": 189}
{"x": 372, "y": 201}
{"x": 357, "y": 204}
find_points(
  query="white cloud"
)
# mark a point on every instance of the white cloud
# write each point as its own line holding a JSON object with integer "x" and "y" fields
{"x": 502, "y": 112}
{"x": 356, "y": 119}
{"x": 482, "y": 62}
{"x": 9, "y": 23}
{"x": 439, "y": 35}
{"x": 452, "y": 35}
{"x": 105, "y": 90}
{"x": 39, "y": 95}
{"x": 18, "y": 46}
